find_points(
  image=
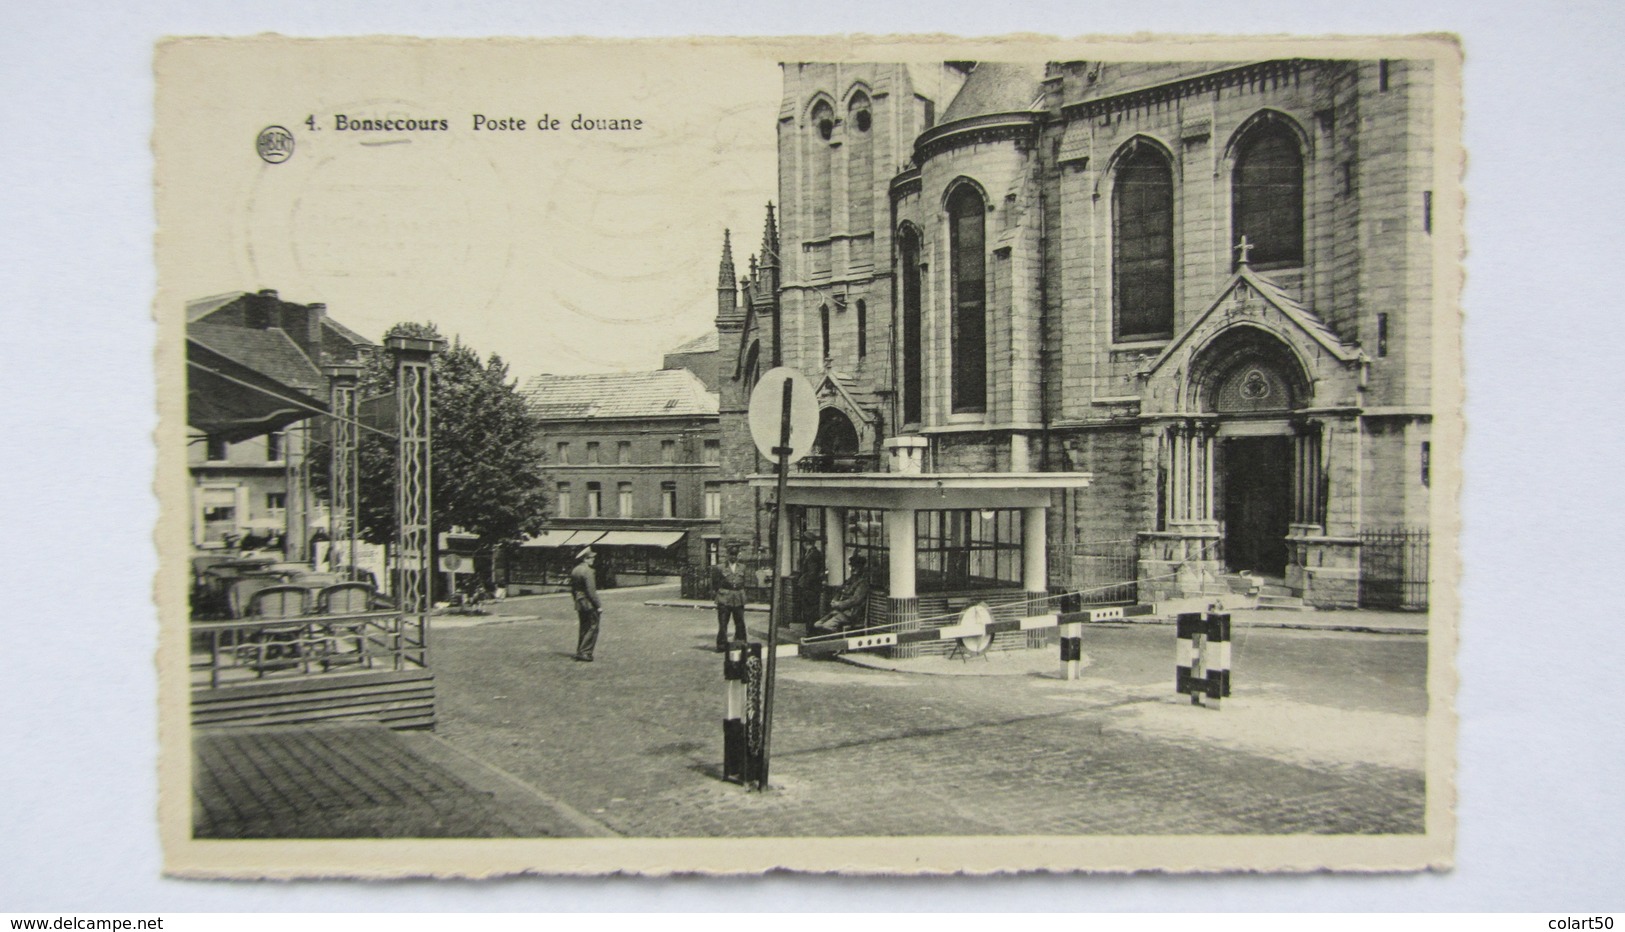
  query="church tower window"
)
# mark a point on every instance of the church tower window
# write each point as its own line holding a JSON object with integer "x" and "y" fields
{"x": 1267, "y": 196}
{"x": 909, "y": 257}
{"x": 820, "y": 163}
{"x": 1143, "y": 247}
{"x": 860, "y": 167}
{"x": 967, "y": 231}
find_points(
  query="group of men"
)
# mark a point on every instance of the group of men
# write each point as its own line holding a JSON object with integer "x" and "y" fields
{"x": 729, "y": 582}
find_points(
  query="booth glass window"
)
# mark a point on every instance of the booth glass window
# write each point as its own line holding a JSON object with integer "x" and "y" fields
{"x": 968, "y": 549}
{"x": 866, "y": 534}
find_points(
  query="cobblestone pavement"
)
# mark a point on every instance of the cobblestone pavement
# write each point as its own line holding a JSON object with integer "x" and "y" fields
{"x": 361, "y": 781}
{"x": 1323, "y": 734}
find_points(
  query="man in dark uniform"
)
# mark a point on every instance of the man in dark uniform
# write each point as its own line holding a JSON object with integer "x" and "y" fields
{"x": 810, "y": 582}
{"x": 728, "y": 584}
{"x": 584, "y": 589}
{"x": 850, "y": 608}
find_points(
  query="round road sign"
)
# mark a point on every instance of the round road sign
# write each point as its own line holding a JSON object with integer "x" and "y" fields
{"x": 767, "y": 409}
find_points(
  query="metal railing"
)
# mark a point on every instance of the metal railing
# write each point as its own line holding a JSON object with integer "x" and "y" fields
{"x": 225, "y": 652}
{"x": 848, "y": 463}
{"x": 1394, "y": 569}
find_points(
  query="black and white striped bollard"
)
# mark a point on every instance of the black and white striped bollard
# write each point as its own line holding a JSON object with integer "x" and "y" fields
{"x": 1202, "y": 657}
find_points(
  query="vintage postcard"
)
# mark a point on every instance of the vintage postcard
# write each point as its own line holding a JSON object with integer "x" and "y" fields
{"x": 866, "y": 455}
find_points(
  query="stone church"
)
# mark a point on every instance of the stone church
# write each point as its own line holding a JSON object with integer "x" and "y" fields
{"x": 1140, "y": 328}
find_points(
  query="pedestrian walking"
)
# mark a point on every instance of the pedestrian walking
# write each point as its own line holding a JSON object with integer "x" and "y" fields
{"x": 728, "y": 586}
{"x": 589, "y": 608}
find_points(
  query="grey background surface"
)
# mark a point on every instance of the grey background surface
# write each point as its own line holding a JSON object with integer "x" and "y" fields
{"x": 1542, "y": 751}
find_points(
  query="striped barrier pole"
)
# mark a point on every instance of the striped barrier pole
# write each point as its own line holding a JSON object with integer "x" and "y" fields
{"x": 1202, "y": 657}
{"x": 835, "y": 644}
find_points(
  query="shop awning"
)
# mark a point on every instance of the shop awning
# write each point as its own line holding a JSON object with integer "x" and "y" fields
{"x": 640, "y": 539}
{"x": 563, "y": 537}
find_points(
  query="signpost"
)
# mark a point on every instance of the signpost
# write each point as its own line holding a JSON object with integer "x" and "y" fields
{"x": 784, "y": 425}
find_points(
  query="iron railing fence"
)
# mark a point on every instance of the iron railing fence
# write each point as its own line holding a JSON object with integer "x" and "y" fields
{"x": 1394, "y": 569}
{"x": 226, "y": 652}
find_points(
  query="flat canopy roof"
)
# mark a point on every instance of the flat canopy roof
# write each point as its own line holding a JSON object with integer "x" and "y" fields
{"x": 921, "y": 491}
{"x": 601, "y": 537}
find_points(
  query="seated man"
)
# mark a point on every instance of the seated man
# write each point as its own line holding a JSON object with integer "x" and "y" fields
{"x": 850, "y": 608}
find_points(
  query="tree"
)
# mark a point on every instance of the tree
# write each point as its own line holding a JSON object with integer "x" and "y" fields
{"x": 487, "y": 472}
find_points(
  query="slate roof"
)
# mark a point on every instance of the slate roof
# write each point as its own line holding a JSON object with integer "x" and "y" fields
{"x": 706, "y": 342}
{"x": 271, "y": 352}
{"x": 996, "y": 87}
{"x": 664, "y": 393}
{"x": 202, "y": 307}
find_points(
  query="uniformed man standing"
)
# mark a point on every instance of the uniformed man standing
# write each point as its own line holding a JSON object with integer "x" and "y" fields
{"x": 728, "y": 584}
{"x": 584, "y": 588}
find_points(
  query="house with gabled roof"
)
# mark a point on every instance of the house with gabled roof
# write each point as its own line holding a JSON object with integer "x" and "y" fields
{"x": 257, "y": 376}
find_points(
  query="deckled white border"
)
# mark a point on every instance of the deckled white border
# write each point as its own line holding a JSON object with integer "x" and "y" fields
{"x": 868, "y": 855}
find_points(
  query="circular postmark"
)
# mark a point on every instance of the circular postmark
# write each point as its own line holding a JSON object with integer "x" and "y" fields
{"x": 274, "y": 144}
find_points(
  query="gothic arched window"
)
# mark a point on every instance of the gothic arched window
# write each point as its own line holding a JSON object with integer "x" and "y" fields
{"x": 1143, "y": 247}
{"x": 860, "y": 167}
{"x": 863, "y": 328}
{"x": 1266, "y": 196}
{"x": 823, "y": 333}
{"x": 967, "y": 233}
{"x": 909, "y": 257}
{"x": 820, "y": 163}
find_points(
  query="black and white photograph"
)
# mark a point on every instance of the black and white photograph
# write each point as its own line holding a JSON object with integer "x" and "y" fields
{"x": 865, "y": 455}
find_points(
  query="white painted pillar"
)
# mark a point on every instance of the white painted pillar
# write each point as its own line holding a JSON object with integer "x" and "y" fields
{"x": 835, "y": 541}
{"x": 900, "y": 540}
{"x": 1034, "y": 550}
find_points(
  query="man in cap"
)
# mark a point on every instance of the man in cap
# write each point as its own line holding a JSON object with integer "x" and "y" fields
{"x": 584, "y": 589}
{"x": 728, "y": 584}
{"x": 850, "y": 608}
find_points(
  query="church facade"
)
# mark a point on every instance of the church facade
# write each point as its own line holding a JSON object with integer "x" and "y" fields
{"x": 1186, "y": 308}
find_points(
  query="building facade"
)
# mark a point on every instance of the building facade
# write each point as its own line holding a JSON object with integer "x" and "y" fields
{"x": 635, "y": 467}
{"x": 1206, "y": 287}
{"x": 251, "y": 481}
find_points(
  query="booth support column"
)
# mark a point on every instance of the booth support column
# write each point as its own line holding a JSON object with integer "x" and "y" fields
{"x": 904, "y": 602}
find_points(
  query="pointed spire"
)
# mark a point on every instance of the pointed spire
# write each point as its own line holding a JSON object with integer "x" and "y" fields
{"x": 725, "y": 272}
{"x": 770, "y": 239}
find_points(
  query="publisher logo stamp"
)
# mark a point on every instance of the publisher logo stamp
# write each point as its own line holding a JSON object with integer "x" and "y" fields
{"x": 275, "y": 144}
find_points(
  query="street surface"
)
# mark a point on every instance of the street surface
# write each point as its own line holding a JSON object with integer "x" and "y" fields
{"x": 1324, "y": 733}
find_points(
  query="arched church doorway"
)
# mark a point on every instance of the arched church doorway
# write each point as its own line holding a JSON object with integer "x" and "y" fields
{"x": 835, "y": 446}
{"x": 1250, "y": 383}
{"x": 1257, "y": 480}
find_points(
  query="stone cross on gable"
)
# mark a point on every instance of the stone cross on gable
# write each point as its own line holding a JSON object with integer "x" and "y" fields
{"x": 1242, "y": 249}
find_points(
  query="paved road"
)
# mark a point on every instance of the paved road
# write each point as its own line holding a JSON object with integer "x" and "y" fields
{"x": 1324, "y": 734}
